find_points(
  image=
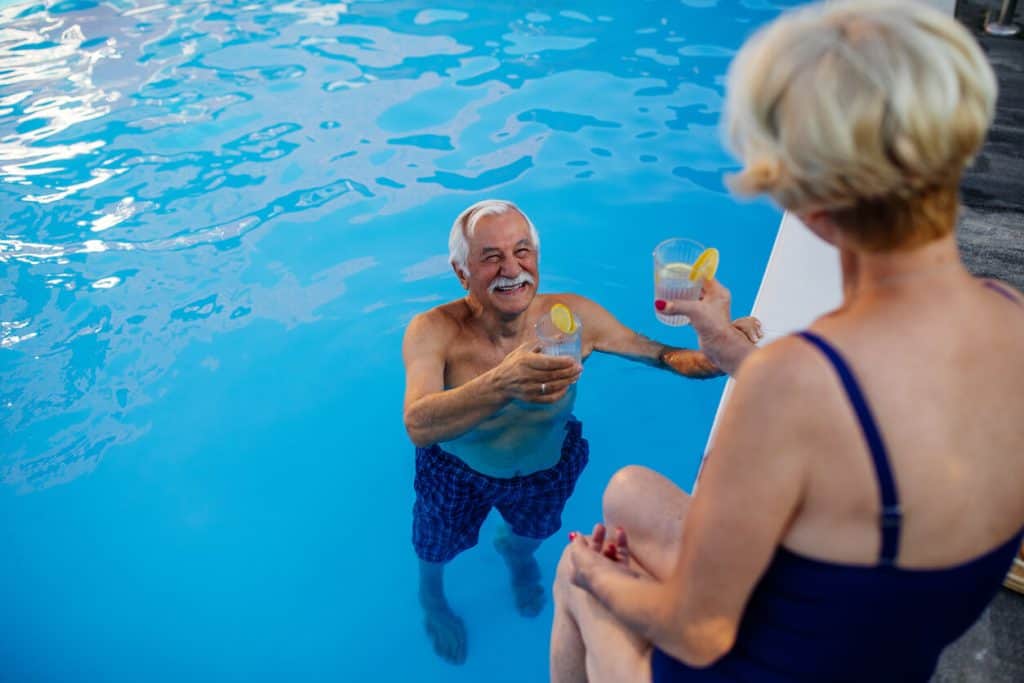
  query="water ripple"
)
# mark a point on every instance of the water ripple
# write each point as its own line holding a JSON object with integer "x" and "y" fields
{"x": 483, "y": 181}
{"x": 171, "y": 173}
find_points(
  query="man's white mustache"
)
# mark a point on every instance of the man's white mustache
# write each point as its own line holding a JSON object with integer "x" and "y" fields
{"x": 510, "y": 282}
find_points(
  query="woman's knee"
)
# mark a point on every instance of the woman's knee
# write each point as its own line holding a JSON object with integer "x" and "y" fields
{"x": 624, "y": 490}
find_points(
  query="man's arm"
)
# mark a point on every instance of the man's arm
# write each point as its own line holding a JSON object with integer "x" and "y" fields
{"x": 434, "y": 414}
{"x": 608, "y": 335}
{"x": 687, "y": 362}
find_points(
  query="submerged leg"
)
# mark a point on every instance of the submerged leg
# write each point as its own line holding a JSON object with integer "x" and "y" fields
{"x": 524, "y": 572}
{"x": 446, "y": 629}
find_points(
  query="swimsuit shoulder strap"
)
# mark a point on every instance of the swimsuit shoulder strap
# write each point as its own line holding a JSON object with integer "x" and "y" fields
{"x": 892, "y": 516}
{"x": 1003, "y": 290}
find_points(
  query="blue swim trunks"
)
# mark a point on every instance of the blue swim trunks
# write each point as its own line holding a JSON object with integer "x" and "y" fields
{"x": 452, "y": 499}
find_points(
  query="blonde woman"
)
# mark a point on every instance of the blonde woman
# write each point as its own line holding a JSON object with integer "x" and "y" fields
{"x": 861, "y": 502}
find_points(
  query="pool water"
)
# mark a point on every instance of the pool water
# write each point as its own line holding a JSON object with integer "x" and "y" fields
{"x": 216, "y": 220}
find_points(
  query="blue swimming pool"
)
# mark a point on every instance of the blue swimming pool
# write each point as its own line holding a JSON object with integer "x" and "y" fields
{"x": 216, "y": 219}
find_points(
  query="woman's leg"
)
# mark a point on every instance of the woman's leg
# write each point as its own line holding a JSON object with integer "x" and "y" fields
{"x": 651, "y": 509}
{"x": 587, "y": 642}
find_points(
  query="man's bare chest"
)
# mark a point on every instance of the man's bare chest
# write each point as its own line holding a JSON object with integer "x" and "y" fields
{"x": 464, "y": 363}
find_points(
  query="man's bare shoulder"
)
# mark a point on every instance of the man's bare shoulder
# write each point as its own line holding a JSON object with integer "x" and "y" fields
{"x": 440, "y": 324}
{"x": 574, "y": 301}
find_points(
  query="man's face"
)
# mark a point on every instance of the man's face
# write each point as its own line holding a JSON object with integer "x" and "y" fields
{"x": 502, "y": 263}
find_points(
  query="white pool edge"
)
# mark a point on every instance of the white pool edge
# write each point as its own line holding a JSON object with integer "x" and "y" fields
{"x": 801, "y": 282}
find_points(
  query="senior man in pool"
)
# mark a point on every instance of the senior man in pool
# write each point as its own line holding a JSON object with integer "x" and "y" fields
{"x": 491, "y": 417}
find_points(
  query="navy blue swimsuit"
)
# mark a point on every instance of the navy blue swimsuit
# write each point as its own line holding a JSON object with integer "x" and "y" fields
{"x": 811, "y": 620}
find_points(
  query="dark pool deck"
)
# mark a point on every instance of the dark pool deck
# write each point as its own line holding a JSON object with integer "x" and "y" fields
{"x": 992, "y": 224}
{"x": 991, "y": 236}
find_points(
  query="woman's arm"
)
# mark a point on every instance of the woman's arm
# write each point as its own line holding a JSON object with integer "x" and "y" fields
{"x": 725, "y": 345}
{"x": 750, "y": 490}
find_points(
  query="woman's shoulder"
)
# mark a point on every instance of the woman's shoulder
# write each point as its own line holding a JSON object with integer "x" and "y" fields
{"x": 1004, "y": 289}
{"x": 790, "y": 360}
{"x": 789, "y": 381}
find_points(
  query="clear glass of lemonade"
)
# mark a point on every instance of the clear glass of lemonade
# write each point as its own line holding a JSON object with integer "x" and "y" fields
{"x": 555, "y": 342}
{"x": 673, "y": 260}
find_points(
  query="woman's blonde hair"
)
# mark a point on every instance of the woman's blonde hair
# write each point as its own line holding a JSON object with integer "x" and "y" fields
{"x": 870, "y": 109}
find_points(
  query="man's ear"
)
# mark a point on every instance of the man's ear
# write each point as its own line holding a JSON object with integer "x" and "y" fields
{"x": 462, "y": 277}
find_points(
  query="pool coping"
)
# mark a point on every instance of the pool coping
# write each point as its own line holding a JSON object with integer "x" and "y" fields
{"x": 800, "y": 283}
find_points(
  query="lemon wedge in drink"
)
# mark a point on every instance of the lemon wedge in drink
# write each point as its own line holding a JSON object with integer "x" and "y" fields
{"x": 561, "y": 316}
{"x": 705, "y": 266}
{"x": 675, "y": 271}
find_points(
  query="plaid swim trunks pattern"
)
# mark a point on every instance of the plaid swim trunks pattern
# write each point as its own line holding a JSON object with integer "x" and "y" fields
{"x": 452, "y": 499}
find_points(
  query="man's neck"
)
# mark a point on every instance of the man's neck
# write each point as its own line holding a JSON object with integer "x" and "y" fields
{"x": 502, "y": 330}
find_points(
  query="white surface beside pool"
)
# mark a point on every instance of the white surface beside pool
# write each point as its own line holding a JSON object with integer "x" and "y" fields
{"x": 801, "y": 282}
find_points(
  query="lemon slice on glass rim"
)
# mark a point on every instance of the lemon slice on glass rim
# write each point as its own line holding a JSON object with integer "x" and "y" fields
{"x": 705, "y": 266}
{"x": 561, "y": 316}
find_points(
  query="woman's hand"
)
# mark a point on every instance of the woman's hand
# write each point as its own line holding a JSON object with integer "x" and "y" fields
{"x": 604, "y": 567}
{"x": 590, "y": 556}
{"x": 709, "y": 314}
{"x": 725, "y": 343}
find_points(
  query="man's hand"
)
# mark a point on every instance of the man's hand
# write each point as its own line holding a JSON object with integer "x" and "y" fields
{"x": 530, "y": 376}
{"x": 750, "y": 327}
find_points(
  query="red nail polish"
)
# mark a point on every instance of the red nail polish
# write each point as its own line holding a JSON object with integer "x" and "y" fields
{"x": 660, "y": 305}
{"x": 572, "y": 536}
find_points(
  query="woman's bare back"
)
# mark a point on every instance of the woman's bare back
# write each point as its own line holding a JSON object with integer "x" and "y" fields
{"x": 943, "y": 376}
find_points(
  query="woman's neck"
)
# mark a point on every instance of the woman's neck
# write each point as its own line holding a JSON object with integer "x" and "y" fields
{"x": 869, "y": 274}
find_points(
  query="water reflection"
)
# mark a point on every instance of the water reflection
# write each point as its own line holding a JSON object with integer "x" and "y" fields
{"x": 172, "y": 173}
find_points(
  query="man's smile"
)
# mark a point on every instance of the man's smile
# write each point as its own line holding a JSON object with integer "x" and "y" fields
{"x": 513, "y": 289}
{"x": 510, "y": 286}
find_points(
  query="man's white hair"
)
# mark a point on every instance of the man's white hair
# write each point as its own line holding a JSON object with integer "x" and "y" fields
{"x": 465, "y": 225}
